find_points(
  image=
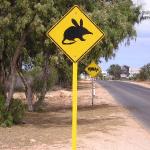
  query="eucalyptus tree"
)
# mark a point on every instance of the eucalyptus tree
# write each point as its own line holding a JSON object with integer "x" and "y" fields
{"x": 23, "y": 24}
{"x": 115, "y": 71}
{"x": 145, "y": 72}
{"x": 116, "y": 18}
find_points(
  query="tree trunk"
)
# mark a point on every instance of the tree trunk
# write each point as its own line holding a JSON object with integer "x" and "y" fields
{"x": 13, "y": 69}
{"x": 14, "y": 62}
{"x": 28, "y": 91}
{"x": 4, "y": 70}
{"x": 2, "y": 77}
{"x": 11, "y": 86}
{"x": 29, "y": 96}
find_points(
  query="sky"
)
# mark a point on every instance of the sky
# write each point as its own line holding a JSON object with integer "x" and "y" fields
{"x": 137, "y": 53}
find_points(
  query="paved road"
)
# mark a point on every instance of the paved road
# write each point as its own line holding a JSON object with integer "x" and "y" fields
{"x": 134, "y": 97}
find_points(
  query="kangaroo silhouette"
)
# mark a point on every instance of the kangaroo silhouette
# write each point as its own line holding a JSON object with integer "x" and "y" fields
{"x": 76, "y": 31}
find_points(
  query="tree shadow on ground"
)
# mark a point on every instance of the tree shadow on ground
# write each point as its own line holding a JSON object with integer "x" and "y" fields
{"x": 81, "y": 86}
{"x": 84, "y": 86}
{"x": 97, "y": 117}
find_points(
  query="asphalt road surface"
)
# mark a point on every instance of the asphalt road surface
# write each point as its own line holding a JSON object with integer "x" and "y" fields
{"x": 134, "y": 97}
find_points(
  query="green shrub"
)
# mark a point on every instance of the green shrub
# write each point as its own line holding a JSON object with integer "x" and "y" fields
{"x": 13, "y": 115}
{"x": 5, "y": 116}
{"x": 1, "y": 89}
{"x": 38, "y": 83}
{"x": 64, "y": 73}
{"x": 17, "y": 110}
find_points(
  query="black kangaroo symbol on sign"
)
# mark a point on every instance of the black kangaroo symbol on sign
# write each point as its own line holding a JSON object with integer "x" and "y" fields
{"x": 76, "y": 31}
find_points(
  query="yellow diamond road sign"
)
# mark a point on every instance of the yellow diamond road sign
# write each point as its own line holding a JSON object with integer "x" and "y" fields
{"x": 93, "y": 69}
{"x": 75, "y": 34}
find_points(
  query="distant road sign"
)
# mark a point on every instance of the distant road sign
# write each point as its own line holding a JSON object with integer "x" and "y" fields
{"x": 93, "y": 69}
{"x": 75, "y": 34}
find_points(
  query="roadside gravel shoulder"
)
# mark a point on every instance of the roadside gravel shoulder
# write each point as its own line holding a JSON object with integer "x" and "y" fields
{"x": 129, "y": 135}
{"x": 117, "y": 130}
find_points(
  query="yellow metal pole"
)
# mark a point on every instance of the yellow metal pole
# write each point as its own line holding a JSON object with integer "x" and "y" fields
{"x": 74, "y": 107}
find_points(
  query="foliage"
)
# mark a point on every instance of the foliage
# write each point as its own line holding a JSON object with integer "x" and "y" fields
{"x": 64, "y": 72}
{"x": 17, "y": 110}
{"x": 37, "y": 84}
{"x": 125, "y": 70}
{"x": 1, "y": 90}
{"x": 101, "y": 77}
{"x": 23, "y": 25}
{"x": 145, "y": 72}
{"x": 134, "y": 77}
{"x": 12, "y": 116}
{"x": 115, "y": 71}
{"x": 116, "y": 19}
{"x": 5, "y": 117}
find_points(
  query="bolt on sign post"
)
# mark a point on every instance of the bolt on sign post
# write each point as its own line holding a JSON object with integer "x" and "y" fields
{"x": 75, "y": 35}
{"x": 93, "y": 70}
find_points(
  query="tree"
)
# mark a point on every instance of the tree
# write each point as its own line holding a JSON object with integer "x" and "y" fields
{"x": 23, "y": 25}
{"x": 116, "y": 19}
{"x": 115, "y": 71}
{"x": 33, "y": 19}
{"x": 145, "y": 72}
{"x": 125, "y": 70}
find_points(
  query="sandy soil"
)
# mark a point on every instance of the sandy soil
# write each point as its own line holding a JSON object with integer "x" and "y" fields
{"x": 105, "y": 126}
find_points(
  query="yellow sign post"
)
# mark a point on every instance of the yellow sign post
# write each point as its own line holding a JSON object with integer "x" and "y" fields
{"x": 74, "y": 107}
{"x": 93, "y": 70}
{"x": 75, "y": 34}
